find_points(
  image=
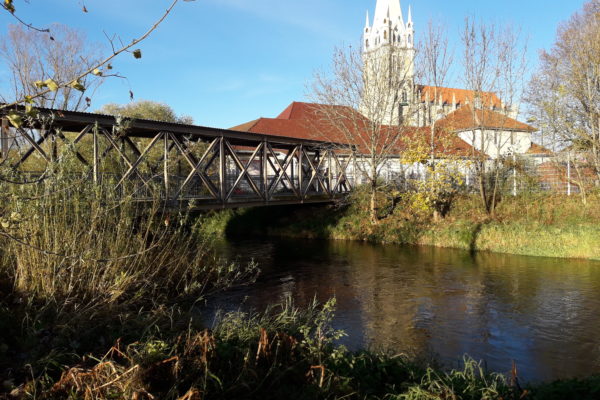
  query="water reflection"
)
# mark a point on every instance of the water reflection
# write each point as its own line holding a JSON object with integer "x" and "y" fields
{"x": 540, "y": 312}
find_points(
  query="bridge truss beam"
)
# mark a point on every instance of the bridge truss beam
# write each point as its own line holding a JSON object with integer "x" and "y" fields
{"x": 213, "y": 168}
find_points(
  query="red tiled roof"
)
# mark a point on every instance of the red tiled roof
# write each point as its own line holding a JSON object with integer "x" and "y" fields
{"x": 537, "y": 149}
{"x": 462, "y": 96}
{"x": 305, "y": 121}
{"x": 464, "y": 119}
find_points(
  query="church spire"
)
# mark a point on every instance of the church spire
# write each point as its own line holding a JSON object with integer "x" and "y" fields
{"x": 367, "y": 24}
{"x": 409, "y": 15}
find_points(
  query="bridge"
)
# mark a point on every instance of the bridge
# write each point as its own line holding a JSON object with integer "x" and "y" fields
{"x": 209, "y": 167}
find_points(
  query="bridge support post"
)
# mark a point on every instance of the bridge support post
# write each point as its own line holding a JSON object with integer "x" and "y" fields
{"x": 300, "y": 171}
{"x": 329, "y": 174}
{"x": 222, "y": 170}
{"x": 166, "y": 164}
{"x": 4, "y": 137}
{"x": 264, "y": 158}
{"x": 96, "y": 160}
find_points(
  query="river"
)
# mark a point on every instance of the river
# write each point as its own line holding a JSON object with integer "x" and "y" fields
{"x": 543, "y": 313}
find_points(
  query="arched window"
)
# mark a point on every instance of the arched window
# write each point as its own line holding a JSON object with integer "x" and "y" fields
{"x": 409, "y": 40}
{"x": 367, "y": 43}
{"x": 384, "y": 35}
{"x": 404, "y": 96}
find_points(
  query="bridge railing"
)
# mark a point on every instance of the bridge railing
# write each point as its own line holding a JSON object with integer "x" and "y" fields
{"x": 149, "y": 159}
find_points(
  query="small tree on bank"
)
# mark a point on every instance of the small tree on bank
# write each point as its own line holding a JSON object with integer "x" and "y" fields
{"x": 365, "y": 100}
{"x": 493, "y": 64}
{"x": 565, "y": 92}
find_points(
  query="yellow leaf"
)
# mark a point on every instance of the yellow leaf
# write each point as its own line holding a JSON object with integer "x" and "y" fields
{"x": 15, "y": 119}
{"x": 30, "y": 111}
{"x": 51, "y": 84}
{"x": 77, "y": 86}
{"x": 97, "y": 72}
{"x": 8, "y": 4}
{"x": 39, "y": 84}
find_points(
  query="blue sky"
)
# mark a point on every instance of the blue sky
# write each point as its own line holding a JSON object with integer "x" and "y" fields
{"x": 225, "y": 62}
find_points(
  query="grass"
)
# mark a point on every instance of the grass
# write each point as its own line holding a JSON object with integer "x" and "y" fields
{"x": 536, "y": 225}
{"x": 283, "y": 352}
{"x": 98, "y": 295}
{"x": 83, "y": 265}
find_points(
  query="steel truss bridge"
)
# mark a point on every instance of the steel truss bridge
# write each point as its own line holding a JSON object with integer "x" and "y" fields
{"x": 213, "y": 168}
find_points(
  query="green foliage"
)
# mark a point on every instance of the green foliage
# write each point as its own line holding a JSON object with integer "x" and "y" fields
{"x": 538, "y": 224}
{"x": 284, "y": 352}
{"x": 145, "y": 109}
{"x": 84, "y": 264}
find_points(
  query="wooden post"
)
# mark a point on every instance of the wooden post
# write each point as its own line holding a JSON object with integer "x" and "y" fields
{"x": 4, "y": 135}
{"x": 569, "y": 173}
{"x": 514, "y": 175}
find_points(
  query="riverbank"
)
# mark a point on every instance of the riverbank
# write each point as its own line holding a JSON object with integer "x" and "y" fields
{"x": 284, "y": 352}
{"x": 534, "y": 225}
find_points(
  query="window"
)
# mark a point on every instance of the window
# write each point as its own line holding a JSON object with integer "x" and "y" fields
{"x": 384, "y": 35}
{"x": 404, "y": 96}
{"x": 367, "y": 43}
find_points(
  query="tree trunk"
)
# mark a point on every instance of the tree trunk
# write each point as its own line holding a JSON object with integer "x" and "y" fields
{"x": 482, "y": 189}
{"x": 373, "y": 202}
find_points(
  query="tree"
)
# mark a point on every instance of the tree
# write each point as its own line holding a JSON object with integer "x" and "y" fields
{"x": 565, "y": 92}
{"x": 434, "y": 60}
{"x": 31, "y": 56}
{"x": 377, "y": 84}
{"x": 493, "y": 66}
{"x": 146, "y": 109}
{"x": 100, "y": 68}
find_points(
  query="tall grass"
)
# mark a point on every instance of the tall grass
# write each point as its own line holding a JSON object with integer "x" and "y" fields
{"x": 78, "y": 245}
{"x": 83, "y": 264}
{"x": 537, "y": 224}
{"x": 283, "y": 353}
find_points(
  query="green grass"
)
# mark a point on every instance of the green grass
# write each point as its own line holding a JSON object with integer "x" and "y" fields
{"x": 534, "y": 225}
{"x": 282, "y": 353}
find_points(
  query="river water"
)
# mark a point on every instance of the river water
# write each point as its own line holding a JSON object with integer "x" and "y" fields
{"x": 543, "y": 313}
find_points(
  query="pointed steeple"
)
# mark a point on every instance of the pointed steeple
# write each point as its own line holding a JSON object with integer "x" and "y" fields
{"x": 387, "y": 10}
{"x": 401, "y": 19}
{"x": 367, "y": 23}
{"x": 409, "y": 15}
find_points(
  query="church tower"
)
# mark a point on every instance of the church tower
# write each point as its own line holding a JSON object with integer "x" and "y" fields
{"x": 389, "y": 64}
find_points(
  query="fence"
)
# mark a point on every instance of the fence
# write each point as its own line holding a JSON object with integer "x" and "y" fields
{"x": 561, "y": 174}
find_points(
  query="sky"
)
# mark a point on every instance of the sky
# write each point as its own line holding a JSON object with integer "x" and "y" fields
{"x": 226, "y": 62}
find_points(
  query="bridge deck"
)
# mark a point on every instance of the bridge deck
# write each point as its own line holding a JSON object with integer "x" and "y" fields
{"x": 213, "y": 168}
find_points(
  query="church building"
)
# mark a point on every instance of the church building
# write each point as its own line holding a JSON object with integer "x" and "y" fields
{"x": 479, "y": 121}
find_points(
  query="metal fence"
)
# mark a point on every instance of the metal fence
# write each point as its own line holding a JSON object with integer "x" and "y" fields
{"x": 566, "y": 174}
